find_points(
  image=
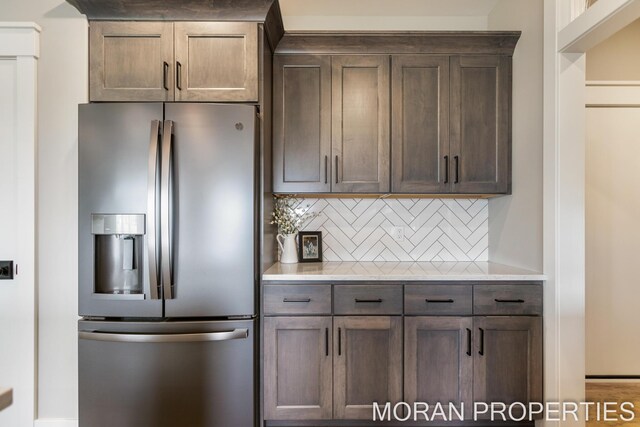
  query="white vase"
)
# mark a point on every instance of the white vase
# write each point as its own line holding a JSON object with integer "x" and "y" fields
{"x": 288, "y": 249}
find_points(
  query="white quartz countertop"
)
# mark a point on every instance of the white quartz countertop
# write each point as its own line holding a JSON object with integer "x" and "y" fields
{"x": 6, "y": 397}
{"x": 399, "y": 271}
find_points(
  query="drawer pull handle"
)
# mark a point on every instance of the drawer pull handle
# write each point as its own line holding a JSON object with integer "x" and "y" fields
{"x": 378, "y": 300}
{"x": 468, "y": 342}
{"x": 481, "y": 351}
{"x": 447, "y": 301}
{"x": 339, "y": 341}
{"x": 516, "y": 301}
{"x": 296, "y": 300}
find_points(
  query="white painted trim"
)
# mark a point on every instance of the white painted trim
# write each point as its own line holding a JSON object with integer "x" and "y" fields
{"x": 613, "y": 96}
{"x": 19, "y": 39}
{"x": 21, "y": 43}
{"x": 599, "y": 22}
{"x": 55, "y": 422}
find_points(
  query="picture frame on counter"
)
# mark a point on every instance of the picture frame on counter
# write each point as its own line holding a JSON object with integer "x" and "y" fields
{"x": 310, "y": 246}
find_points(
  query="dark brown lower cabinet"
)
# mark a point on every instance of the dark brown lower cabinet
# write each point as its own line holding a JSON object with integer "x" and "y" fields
{"x": 298, "y": 368}
{"x": 508, "y": 359}
{"x": 438, "y": 362}
{"x": 367, "y": 364}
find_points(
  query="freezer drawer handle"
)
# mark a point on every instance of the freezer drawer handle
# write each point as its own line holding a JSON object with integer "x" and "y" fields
{"x": 165, "y": 338}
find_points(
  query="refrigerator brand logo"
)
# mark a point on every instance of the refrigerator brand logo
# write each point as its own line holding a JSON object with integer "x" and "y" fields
{"x": 500, "y": 411}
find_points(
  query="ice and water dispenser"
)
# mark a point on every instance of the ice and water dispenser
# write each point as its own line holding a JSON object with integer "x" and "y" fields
{"x": 118, "y": 252}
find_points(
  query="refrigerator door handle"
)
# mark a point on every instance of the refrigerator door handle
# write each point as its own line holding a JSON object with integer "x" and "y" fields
{"x": 151, "y": 211}
{"x": 165, "y": 338}
{"x": 165, "y": 206}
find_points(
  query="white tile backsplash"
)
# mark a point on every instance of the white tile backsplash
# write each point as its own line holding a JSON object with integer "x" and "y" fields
{"x": 357, "y": 229}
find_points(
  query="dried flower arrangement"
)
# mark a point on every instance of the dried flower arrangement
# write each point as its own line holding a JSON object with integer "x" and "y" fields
{"x": 288, "y": 215}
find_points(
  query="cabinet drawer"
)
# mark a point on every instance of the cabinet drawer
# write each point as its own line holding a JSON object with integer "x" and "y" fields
{"x": 507, "y": 300}
{"x": 368, "y": 299}
{"x": 297, "y": 299}
{"x": 438, "y": 299}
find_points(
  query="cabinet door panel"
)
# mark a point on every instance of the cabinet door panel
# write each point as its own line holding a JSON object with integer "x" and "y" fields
{"x": 127, "y": 61}
{"x": 302, "y": 123}
{"x": 420, "y": 124}
{"x": 216, "y": 61}
{"x": 508, "y": 359}
{"x": 298, "y": 368}
{"x": 367, "y": 364}
{"x": 439, "y": 361}
{"x": 481, "y": 124}
{"x": 360, "y": 123}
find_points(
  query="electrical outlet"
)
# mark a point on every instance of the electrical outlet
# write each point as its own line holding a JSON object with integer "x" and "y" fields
{"x": 398, "y": 234}
{"x": 6, "y": 270}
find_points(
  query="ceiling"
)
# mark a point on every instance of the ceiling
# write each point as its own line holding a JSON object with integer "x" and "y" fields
{"x": 387, "y": 7}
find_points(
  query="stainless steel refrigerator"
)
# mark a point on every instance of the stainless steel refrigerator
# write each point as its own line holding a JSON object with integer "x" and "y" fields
{"x": 168, "y": 256}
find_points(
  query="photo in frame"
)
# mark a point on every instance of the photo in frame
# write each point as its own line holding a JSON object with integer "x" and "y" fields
{"x": 310, "y": 246}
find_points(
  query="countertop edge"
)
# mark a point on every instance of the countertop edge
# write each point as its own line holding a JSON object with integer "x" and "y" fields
{"x": 401, "y": 278}
{"x": 6, "y": 398}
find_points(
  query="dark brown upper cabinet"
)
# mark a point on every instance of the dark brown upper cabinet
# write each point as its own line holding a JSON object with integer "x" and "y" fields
{"x": 302, "y": 124}
{"x": 414, "y": 113}
{"x": 420, "y": 124}
{"x": 136, "y": 61}
{"x": 481, "y": 124}
{"x": 360, "y": 123}
{"x": 131, "y": 61}
{"x": 216, "y": 61}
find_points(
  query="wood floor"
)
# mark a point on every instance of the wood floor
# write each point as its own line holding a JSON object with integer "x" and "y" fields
{"x": 613, "y": 392}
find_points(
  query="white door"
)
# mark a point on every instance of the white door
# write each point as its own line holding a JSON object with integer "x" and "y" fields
{"x": 612, "y": 240}
{"x": 17, "y": 225}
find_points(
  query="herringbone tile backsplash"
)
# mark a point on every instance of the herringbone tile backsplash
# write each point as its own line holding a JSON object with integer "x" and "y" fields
{"x": 434, "y": 229}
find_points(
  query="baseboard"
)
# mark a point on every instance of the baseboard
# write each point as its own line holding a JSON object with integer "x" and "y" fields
{"x": 55, "y": 422}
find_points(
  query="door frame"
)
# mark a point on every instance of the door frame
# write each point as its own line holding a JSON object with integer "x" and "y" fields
{"x": 20, "y": 42}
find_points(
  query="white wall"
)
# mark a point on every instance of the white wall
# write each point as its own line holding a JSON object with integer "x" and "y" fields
{"x": 62, "y": 86}
{"x": 515, "y": 222}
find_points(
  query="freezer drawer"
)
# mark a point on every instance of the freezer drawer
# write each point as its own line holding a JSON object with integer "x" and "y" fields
{"x": 166, "y": 374}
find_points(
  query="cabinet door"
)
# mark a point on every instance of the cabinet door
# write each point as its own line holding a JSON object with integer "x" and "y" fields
{"x": 216, "y": 61}
{"x": 367, "y": 364}
{"x": 420, "y": 124}
{"x": 360, "y": 124}
{"x": 130, "y": 61}
{"x": 481, "y": 124}
{"x": 297, "y": 368}
{"x": 438, "y": 361}
{"x": 508, "y": 359}
{"x": 302, "y": 124}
